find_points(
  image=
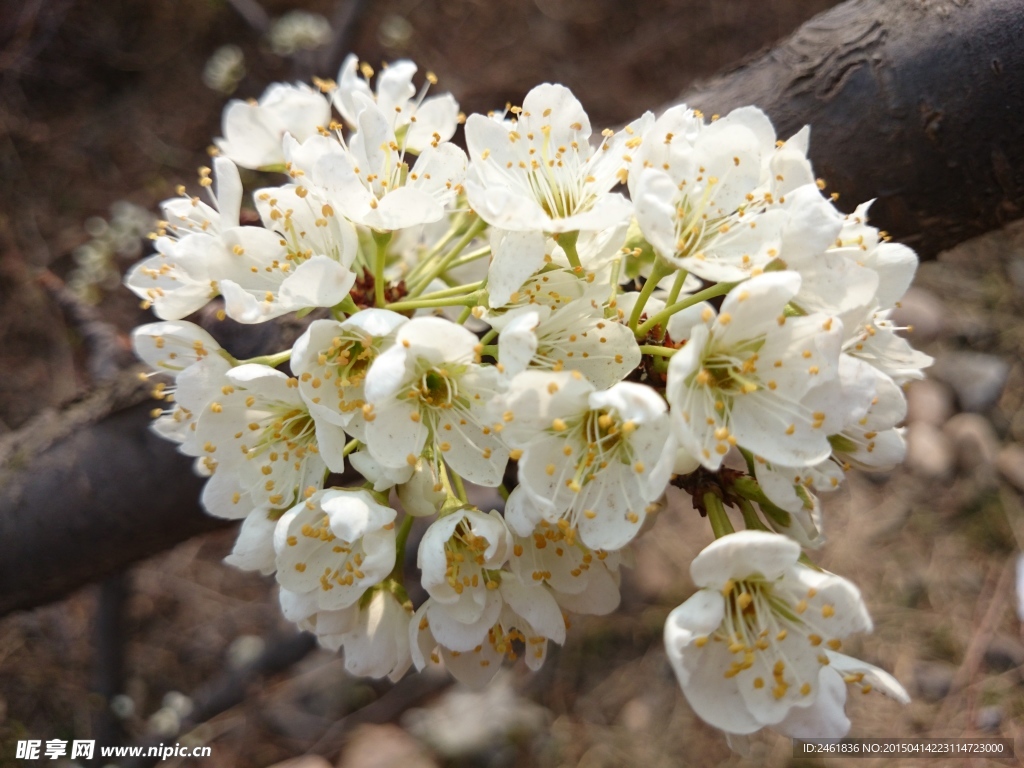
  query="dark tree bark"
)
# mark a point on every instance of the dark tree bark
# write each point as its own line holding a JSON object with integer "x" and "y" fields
{"x": 101, "y": 498}
{"x": 918, "y": 103}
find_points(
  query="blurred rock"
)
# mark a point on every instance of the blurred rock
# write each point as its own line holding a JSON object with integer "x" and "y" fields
{"x": 384, "y": 746}
{"x": 929, "y": 451}
{"x": 989, "y": 718}
{"x": 122, "y": 706}
{"x": 976, "y": 378}
{"x": 244, "y": 650}
{"x": 306, "y": 761}
{"x": 1015, "y": 270}
{"x": 464, "y": 723}
{"x": 1004, "y": 653}
{"x": 636, "y": 715}
{"x": 165, "y": 722}
{"x": 178, "y": 702}
{"x": 933, "y": 679}
{"x": 923, "y": 311}
{"x": 289, "y": 718}
{"x": 1020, "y": 586}
{"x": 929, "y": 401}
{"x": 975, "y": 446}
{"x": 1010, "y": 463}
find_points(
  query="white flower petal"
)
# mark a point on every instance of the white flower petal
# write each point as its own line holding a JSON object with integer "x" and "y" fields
{"x": 254, "y": 547}
{"x": 536, "y": 605}
{"x": 825, "y": 718}
{"x": 393, "y": 436}
{"x": 742, "y": 554}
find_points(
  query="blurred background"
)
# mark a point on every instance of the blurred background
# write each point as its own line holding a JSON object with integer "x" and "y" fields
{"x": 105, "y": 107}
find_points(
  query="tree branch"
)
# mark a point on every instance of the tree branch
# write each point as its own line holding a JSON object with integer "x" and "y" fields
{"x": 916, "y": 103}
{"x": 79, "y": 504}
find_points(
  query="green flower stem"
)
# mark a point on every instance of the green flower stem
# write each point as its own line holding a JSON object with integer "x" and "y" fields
{"x": 503, "y": 492}
{"x": 468, "y": 301}
{"x": 272, "y": 360}
{"x": 457, "y": 225}
{"x": 568, "y": 242}
{"x": 677, "y": 286}
{"x": 748, "y": 457}
{"x": 613, "y": 283}
{"x": 346, "y": 306}
{"x": 750, "y": 518}
{"x": 398, "y": 590}
{"x": 460, "y": 488}
{"x": 662, "y": 317}
{"x": 453, "y": 291}
{"x": 448, "y": 236}
{"x": 650, "y": 349}
{"x": 748, "y": 488}
{"x": 720, "y": 523}
{"x": 659, "y": 271}
{"x": 381, "y": 239}
{"x": 442, "y": 475}
{"x": 470, "y": 257}
{"x": 350, "y": 446}
{"x": 398, "y": 572}
{"x": 464, "y": 315}
{"x": 228, "y": 356}
{"x": 778, "y": 515}
{"x": 422, "y": 282}
{"x": 805, "y": 560}
{"x": 488, "y": 337}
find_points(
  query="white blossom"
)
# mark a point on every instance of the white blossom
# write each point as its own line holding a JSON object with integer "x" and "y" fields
{"x": 263, "y": 273}
{"x": 172, "y": 346}
{"x": 254, "y": 547}
{"x": 528, "y": 615}
{"x": 417, "y": 120}
{"x": 456, "y": 557}
{"x": 369, "y": 180}
{"x": 253, "y": 132}
{"x": 578, "y": 336}
{"x": 598, "y": 459}
{"x": 331, "y": 360}
{"x": 427, "y": 391}
{"x": 563, "y": 184}
{"x": 539, "y": 174}
{"x": 582, "y": 580}
{"x": 709, "y": 198}
{"x": 870, "y": 333}
{"x": 373, "y": 633}
{"x": 193, "y": 358}
{"x": 262, "y": 444}
{"x": 521, "y": 306}
{"x": 224, "y": 69}
{"x": 336, "y": 544}
{"x": 750, "y": 646}
{"x": 743, "y": 376}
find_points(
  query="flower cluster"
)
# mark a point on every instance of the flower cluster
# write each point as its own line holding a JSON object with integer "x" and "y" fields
{"x": 575, "y": 321}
